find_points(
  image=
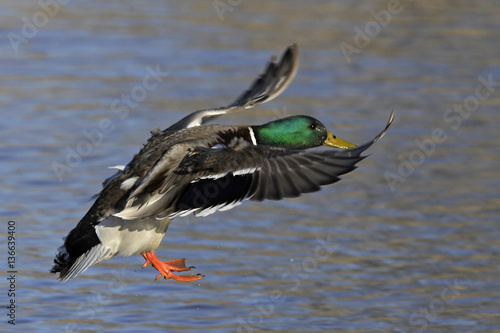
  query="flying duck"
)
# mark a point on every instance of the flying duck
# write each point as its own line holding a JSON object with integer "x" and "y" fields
{"x": 200, "y": 169}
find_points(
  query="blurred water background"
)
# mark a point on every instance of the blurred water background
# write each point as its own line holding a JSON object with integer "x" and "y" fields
{"x": 408, "y": 242}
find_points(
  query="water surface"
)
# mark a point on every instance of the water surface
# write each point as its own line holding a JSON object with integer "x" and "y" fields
{"x": 413, "y": 254}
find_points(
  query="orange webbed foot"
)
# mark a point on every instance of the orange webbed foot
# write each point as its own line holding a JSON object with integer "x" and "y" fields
{"x": 166, "y": 267}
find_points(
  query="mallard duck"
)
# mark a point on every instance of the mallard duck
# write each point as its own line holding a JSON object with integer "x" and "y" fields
{"x": 200, "y": 169}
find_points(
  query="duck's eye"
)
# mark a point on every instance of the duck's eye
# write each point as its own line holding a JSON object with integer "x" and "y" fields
{"x": 312, "y": 126}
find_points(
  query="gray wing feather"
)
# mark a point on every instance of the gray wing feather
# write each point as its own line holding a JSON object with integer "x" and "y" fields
{"x": 270, "y": 84}
{"x": 205, "y": 179}
{"x": 278, "y": 172}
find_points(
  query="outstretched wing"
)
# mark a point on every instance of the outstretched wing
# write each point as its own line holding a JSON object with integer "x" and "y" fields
{"x": 227, "y": 176}
{"x": 276, "y": 77}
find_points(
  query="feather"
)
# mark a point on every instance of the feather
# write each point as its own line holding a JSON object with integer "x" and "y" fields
{"x": 94, "y": 255}
{"x": 128, "y": 183}
{"x": 270, "y": 84}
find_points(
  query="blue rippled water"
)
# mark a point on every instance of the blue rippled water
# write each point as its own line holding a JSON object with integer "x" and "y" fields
{"x": 408, "y": 242}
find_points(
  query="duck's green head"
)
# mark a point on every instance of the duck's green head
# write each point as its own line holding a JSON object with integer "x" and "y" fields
{"x": 297, "y": 132}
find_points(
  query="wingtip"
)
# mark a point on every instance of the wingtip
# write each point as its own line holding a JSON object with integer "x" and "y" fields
{"x": 290, "y": 55}
{"x": 268, "y": 85}
{"x": 361, "y": 148}
{"x": 391, "y": 118}
{"x": 293, "y": 52}
{"x": 293, "y": 49}
{"x": 389, "y": 123}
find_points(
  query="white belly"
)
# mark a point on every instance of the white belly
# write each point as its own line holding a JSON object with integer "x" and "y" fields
{"x": 130, "y": 237}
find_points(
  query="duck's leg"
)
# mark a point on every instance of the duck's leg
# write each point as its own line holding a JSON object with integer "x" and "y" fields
{"x": 178, "y": 264}
{"x": 166, "y": 267}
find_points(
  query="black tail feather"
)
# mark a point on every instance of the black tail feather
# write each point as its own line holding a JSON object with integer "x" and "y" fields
{"x": 78, "y": 242}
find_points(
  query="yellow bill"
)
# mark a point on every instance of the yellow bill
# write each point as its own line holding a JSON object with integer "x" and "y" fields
{"x": 333, "y": 141}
